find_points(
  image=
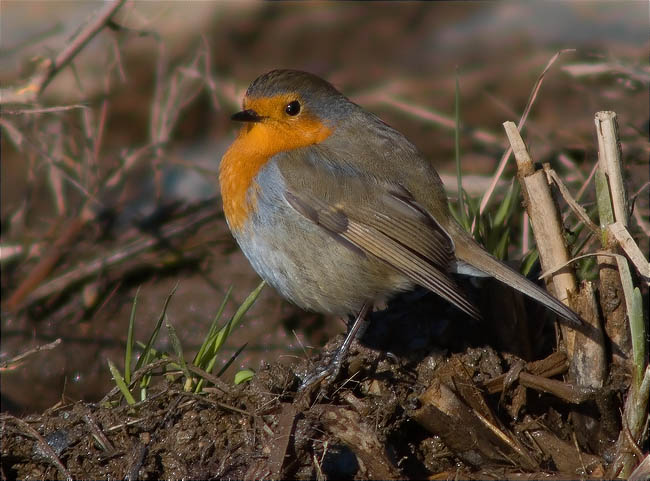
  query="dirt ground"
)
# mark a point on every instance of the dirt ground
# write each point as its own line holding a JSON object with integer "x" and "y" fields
{"x": 400, "y": 409}
{"x": 135, "y": 133}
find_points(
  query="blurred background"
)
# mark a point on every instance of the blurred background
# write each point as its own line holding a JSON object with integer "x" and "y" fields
{"x": 109, "y": 182}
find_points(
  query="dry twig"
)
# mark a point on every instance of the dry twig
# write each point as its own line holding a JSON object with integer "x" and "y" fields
{"x": 33, "y": 89}
{"x": 17, "y": 360}
{"x": 547, "y": 225}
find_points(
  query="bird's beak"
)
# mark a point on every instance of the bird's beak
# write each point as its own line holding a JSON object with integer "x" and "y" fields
{"x": 248, "y": 115}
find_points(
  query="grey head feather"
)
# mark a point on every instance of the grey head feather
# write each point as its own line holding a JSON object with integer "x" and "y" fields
{"x": 319, "y": 96}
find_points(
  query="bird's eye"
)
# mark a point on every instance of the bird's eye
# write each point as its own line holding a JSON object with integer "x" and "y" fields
{"x": 292, "y": 108}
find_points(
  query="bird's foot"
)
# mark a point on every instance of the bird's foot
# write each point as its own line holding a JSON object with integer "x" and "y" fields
{"x": 333, "y": 369}
{"x": 324, "y": 376}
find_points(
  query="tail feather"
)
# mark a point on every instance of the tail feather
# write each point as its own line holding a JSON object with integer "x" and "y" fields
{"x": 471, "y": 253}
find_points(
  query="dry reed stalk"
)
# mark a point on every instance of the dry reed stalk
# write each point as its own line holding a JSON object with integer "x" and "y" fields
{"x": 612, "y": 204}
{"x": 547, "y": 226}
{"x": 621, "y": 302}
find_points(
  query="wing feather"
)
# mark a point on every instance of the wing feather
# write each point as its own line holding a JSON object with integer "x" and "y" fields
{"x": 395, "y": 231}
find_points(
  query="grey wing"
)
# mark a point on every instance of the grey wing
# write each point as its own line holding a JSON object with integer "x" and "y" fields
{"x": 382, "y": 220}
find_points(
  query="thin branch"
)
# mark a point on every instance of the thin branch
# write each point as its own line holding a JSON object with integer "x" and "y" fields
{"x": 15, "y": 361}
{"x": 87, "y": 34}
{"x": 577, "y": 209}
{"x": 106, "y": 261}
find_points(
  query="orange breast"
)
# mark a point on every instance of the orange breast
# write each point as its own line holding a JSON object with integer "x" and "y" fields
{"x": 251, "y": 150}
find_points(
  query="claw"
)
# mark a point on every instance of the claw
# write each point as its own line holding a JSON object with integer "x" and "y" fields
{"x": 333, "y": 369}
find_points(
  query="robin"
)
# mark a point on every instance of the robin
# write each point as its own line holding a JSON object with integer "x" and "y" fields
{"x": 337, "y": 210}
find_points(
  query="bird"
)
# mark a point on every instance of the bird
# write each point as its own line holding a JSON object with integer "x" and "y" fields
{"x": 338, "y": 211}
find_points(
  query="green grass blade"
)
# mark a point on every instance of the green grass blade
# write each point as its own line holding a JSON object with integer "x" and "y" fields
{"x": 225, "y": 331}
{"x": 501, "y": 249}
{"x": 212, "y": 347}
{"x": 119, "y": 380}
{"x": 214, "y": 343}
{"x": 213, "y": 361}
{"x": 529, "y": 261}
{"x": 243, "y": 376}
{"x": 505, "y": 210}
{"x": 454, "y": 213}
{"x": 231, "y": 360}
{"x": 146, "y": 354}
{"x": 208, "y": 368}
{"x": 199, "y": 358}
{"x": 178, "y": 350}
{"x": 637, "y": 329}
{"x": 129, "y": 340}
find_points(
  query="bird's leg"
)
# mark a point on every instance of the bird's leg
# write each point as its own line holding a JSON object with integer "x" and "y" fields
{"x": 356, "y": 331}
{"x": 333, "y": 368}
